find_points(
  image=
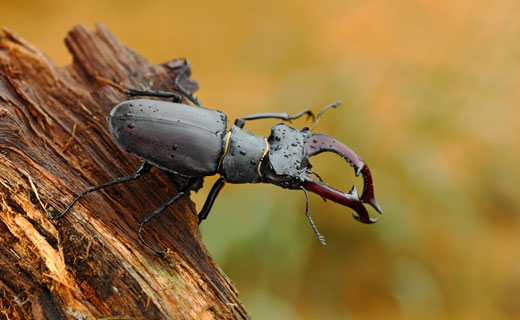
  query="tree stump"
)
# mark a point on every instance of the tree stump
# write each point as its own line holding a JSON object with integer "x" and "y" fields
{"x": 54, "y": 143}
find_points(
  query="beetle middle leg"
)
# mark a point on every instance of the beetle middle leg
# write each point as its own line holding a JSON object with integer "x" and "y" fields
{"x": 137, "y": 92}
{"x": 181, "y": 193}
{"x": 184, "y": 69}
{"x": 143, "y": 168}
{"x": 217, "y": 187}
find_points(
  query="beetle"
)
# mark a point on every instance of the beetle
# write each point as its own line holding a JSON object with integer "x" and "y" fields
{"x": 194, "y": 142}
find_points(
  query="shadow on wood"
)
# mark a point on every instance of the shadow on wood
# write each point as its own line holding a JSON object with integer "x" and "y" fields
{"x": 54, "y": 144}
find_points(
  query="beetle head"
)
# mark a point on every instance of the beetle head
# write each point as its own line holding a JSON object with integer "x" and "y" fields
{"x": 289, "y": 167}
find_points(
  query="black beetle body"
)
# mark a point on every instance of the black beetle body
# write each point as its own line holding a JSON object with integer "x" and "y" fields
{"x": 172, "y": 136}
{"x": 194, "y": 142}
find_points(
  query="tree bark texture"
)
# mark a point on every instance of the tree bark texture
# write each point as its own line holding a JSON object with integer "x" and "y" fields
{"x": 54, "y": 143}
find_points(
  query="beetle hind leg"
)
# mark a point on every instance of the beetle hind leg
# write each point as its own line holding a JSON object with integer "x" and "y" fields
{"x": 144, "y": 168}
{"x": 181, "y": 193}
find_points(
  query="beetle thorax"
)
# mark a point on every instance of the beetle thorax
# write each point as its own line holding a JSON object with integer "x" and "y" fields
{"x": 244, "y": 152}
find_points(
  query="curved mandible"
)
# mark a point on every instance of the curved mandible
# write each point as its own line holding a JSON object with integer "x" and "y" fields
{"x": 320, "y": 142}
{"x": 350, "y": 199}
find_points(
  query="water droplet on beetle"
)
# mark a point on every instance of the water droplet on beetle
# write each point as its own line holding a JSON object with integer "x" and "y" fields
{"x": 131, "y": 126}
{"x": 174, "y": 147}
{"x": 243, "y": 152}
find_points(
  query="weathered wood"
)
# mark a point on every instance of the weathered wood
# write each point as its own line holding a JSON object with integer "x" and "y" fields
{"x": 54, "y": 143}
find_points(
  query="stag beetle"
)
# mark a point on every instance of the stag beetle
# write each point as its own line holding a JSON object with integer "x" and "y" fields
{"x": 195, "y": 142}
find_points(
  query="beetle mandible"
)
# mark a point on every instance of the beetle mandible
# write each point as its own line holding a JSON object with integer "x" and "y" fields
{"x": 195, "y": 142}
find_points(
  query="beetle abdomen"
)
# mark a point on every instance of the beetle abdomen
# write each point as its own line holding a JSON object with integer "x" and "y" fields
{"x": 175, "y": 137}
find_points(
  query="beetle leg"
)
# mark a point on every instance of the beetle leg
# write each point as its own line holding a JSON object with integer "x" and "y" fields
{"x": 162, "y": 94}
{"x": 137, "y": 92}
{"x": 273, "y": 115}
{"x": 181, "y": 193}
{"x": 180, "y": 63}
{"x": 184, "y": 69}
{"x": 320, "y": 237}
{"x": 144, "y": 168}
{"x": 215, "y": 190}
{"x": 321, "y": 142}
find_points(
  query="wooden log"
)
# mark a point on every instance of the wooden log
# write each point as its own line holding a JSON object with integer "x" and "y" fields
{"x": 54, "y": 143}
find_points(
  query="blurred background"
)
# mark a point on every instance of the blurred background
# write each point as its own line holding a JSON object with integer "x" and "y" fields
{"x": 430, "y": 93}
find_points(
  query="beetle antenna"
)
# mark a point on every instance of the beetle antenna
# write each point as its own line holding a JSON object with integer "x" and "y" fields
{"x": 332, "y": 105}
{"x": 321, "y": 238}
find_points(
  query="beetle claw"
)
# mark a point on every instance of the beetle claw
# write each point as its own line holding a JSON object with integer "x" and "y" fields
{"x": 354, "y": 191}
{"x": 372, "y": 220}
{"x": 319, "y": 143}
{"x": 368, "y": 191}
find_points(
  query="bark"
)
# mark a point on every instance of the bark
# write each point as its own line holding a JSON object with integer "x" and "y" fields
{"x": 54, "y": 144}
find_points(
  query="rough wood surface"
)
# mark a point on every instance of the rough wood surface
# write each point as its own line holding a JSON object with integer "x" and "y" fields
{"x": 54, "y": 143}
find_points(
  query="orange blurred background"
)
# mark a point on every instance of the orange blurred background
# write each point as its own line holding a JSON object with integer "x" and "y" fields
{"x": 430, "y": 93}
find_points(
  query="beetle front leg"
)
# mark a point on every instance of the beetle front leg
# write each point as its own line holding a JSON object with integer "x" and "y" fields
{"x": 240, "y": 122}
{"x": 332, "y": 105}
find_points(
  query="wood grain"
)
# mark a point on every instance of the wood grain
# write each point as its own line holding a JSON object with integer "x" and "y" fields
{"x": 54, "y": 144}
